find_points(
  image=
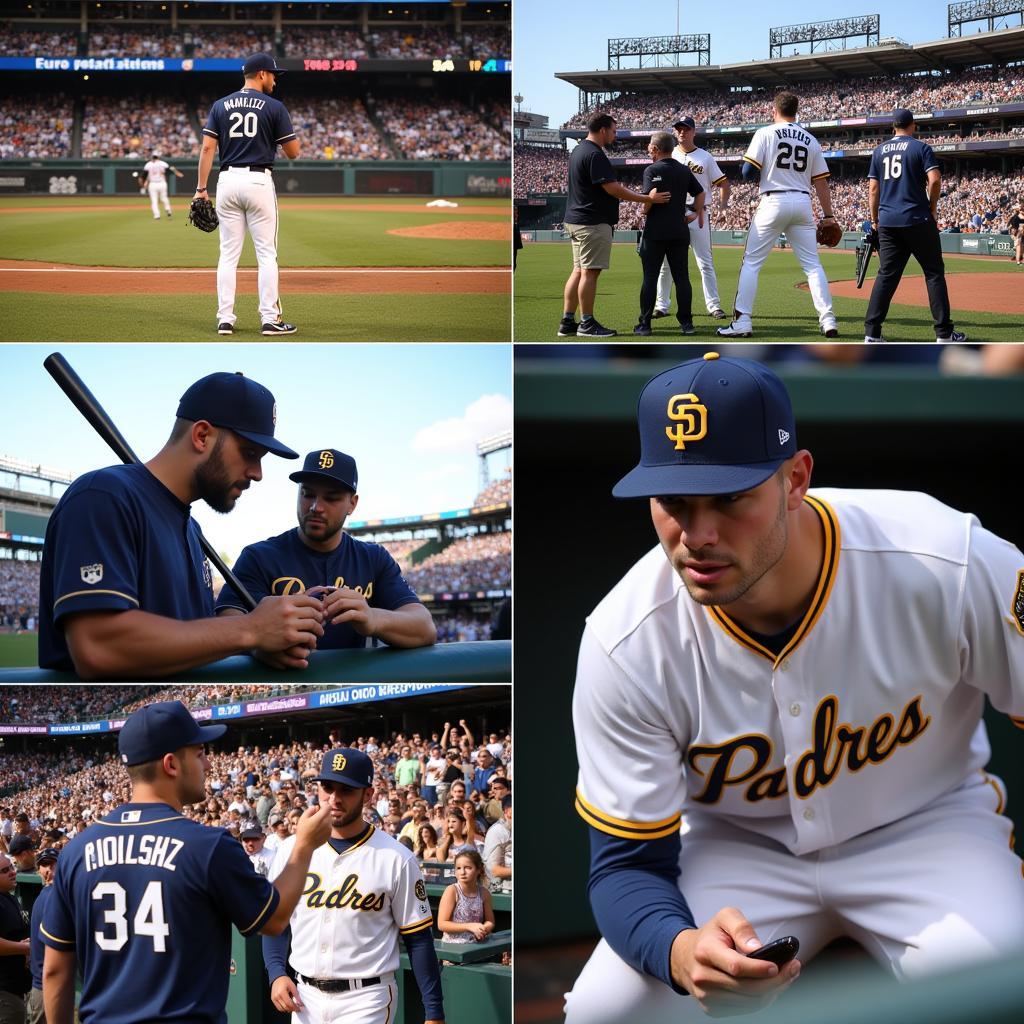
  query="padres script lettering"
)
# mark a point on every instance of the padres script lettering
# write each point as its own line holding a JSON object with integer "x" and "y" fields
{"x": 285, "y": 585}
{"x": 347, "y": 895}
{"x": 835, "y": 744}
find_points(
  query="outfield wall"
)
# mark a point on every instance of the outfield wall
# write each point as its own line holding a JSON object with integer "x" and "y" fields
{"x": 958, "y": 244}
{"x": 293, "y": 177}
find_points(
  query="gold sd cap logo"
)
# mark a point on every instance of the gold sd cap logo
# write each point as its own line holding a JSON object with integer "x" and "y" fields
{"x": 689, "y": 420}
{"x": 338, "y": 763}
{"x": 326, "y": 460}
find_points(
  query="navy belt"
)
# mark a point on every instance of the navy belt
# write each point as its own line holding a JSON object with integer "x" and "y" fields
{"x": 337, "y": 984}
{"x": 248, "y": 167}
{"x": 783, "y": 191}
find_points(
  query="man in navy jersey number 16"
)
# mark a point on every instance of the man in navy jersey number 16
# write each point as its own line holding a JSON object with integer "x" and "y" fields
{"x": 365, "y": 597}
{"x": 903, "y": 194}
{"x": 247, "y": 127}
{"x": 144, "y": 899}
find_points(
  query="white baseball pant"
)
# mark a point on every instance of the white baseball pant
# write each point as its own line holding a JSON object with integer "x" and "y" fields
{"x": 247, "y": 201}
{"x": 157, "y": 194}
{"x": 788, "y": 212}
{"x": 700, "y": 246}
{"x": 931, "y": 891}
{"x": 375, "y": 1004}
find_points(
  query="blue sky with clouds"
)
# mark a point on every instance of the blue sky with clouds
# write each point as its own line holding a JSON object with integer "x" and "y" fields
{"x": 410, "y": 415}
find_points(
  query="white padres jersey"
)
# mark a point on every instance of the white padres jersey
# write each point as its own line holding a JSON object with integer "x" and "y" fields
{"x": 788, "y": 157}
{"x": 704, "y": 168}
{"x": 156, "y": 171}
{"x": 353, "y": 907}
{"x": 871, "y": 712}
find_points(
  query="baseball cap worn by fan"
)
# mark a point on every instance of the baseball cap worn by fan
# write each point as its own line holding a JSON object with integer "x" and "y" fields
{"x": 161, "y": 728}
{"x": 330, "y": 466}
{"x": 47, "y": 856}
{"x": 710, "y": 426}
{"x": 348, "y": 767}
{"x": 20, "y": 844}
{"x": 233, "y": 401}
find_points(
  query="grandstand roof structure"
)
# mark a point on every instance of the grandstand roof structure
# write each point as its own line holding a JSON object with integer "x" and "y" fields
{"x": 889, "y": 58}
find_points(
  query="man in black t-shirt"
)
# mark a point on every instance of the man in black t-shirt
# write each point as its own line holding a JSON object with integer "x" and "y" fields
{"x": 591, "y": 212}
{"x": 667, "y": 233}
{"x": 15, "y": 979}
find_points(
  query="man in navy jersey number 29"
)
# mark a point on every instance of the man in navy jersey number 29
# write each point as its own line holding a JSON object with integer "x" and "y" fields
{"x": 903, "y": 194}
{"x": 144, "y": 899}
{"x": 247, "y": 127}
{"x": 365, "y": 597}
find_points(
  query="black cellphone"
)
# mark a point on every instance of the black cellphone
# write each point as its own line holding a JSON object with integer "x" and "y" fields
{"x": 779, "y": 952}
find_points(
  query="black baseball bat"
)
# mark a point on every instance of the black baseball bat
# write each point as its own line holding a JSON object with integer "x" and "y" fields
{"x": 96, "y": 416}
{"x": 869, "y": 240}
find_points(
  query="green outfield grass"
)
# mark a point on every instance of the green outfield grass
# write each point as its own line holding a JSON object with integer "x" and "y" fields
{"x": 18, "y": 651}
{"x": 782, "y": 311}
{"x": 58, "y": 230}
{"x": 55, "y": 229}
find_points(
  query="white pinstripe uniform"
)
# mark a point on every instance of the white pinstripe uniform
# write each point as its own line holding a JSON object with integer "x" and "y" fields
{"x": 346, "y": 925}
{"x": 790, "y": 161}
{"x": 837, "y": 788}
{"x": 705, "y": 169}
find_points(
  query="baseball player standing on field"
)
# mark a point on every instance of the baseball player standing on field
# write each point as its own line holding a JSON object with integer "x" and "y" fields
{"x": 144, "y": 899}
{"x": 364, "y": 889}
{"x": 364, "y": 595}
{"x": 705, "y": 169}
{"x": 125, "y": 589}
{"x": 155, "y": 181}
{"x": 903, "y": 196}
{"x": 788, "y": 160}
{"x": 247, "y": 127}
{"x": 748, "y": 770}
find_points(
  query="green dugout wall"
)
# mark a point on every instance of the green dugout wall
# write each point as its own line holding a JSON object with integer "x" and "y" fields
{"x": 890, "y": 427}
{"x": 429, "y": 178}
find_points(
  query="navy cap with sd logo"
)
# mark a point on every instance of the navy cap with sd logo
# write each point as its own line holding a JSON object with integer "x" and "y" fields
{"x": 261, "y": 62}
{"x": 348, "y": 767}
{"x": 234, "y": 401}
{"x": 328, "y": 465}
{"x": 710, "y": 426}
{"x": 161, "y": 728}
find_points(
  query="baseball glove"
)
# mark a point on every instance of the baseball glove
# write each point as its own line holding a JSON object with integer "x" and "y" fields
{"x": 202, "y": 215}
{"x": 829, "y": 233}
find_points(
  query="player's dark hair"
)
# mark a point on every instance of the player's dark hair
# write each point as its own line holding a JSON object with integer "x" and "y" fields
{"x": 599, "y": 122}
{"x": 146, "y": 773}
{"x": 787, "y": 104}
{"x": 179, "y": 430}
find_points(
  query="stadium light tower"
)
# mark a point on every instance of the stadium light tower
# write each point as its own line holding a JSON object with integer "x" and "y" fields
{"x": 34, "y": 471}
{"x": 995, "y": 13}
{"x": 487, "y": 446}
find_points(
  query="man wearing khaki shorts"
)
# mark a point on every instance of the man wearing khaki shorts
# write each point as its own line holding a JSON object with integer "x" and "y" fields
{"x": 591, "y": 212}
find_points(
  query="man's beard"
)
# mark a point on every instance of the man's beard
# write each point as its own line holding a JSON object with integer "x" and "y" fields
{"x": 213, "y": 483}
{"x": 347, "y": 819}
{"x": 327, "y": 531}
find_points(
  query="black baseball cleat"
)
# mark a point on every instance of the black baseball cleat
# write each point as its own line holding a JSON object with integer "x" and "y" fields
{"x": 225, "y": 329}
{"x": 279, "y": 328}
{"x": 567, "y": 328}
{"x": 592, "y": 329}
{"x": 953, "y": 339}
{"x": 687, "y": 327}
{"x": 643, "y": 329}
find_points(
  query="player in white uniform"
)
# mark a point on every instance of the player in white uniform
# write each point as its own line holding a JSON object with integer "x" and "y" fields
{"x": 705, "y": 169}
{"x": 790, "y": 163}
{"x": 155, "y": 181}
{"x": 778, "y": 710}
{"x": 363, "y": 890}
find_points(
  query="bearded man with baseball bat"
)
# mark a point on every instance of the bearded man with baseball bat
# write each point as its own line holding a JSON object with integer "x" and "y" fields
{"x": 125, "y": 590}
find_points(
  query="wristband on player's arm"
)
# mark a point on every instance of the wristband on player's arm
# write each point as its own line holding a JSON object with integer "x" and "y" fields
{"x": 423, "y": 960}
{"x": 635, "y": 896}
{"x": 275, "y": 954}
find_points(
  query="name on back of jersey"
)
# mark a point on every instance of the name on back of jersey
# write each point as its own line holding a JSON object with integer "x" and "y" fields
{"x": 794, "y": 133}
{"x": 244, "y": 101}
{"x": 895, "y": 146}
{"x": 148, "y": 851}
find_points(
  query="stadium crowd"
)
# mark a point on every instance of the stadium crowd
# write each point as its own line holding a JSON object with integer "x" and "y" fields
{"x": 825, "y": 100}
{"x": 36, "y": 127}
{"x": 496, "y": 491}
{"x": 538, "y": 169}
{"x": 70, "y": 703}
{"x": 479, "y": 562}
{"x": 438, "y": 793}
{"x": 445, "y": 129}
{"x": 336, "y": 129}
{"x": 19, "y": 593}
{"x": 137, "y": 127}
{"x": 461, "y": 627}
{"x": 38, "y": 42}
{"x": 114, "y": 41}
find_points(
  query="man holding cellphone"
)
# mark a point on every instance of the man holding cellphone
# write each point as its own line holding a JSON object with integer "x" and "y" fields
{"x": 365, "y": 597}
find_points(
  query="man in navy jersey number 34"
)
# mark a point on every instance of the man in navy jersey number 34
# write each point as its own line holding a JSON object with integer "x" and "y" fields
{"x": 247, "y": 127}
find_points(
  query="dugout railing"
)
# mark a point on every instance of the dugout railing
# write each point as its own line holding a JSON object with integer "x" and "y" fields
{"x": 479, "y": 661}
{"x": 351, "y": 178}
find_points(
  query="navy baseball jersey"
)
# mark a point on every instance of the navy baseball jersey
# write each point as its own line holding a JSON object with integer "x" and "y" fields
{"x": 284, "y": 565}
{"x": 146, "y": 898}
{"x": 248, "y": 126}
{"x": 36, "y": 947}
{"x": 901, "y": 166}
{"x": 118, "y": 539}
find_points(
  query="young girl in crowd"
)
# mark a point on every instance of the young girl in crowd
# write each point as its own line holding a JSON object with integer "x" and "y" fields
{"x": 465, "y": 913}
